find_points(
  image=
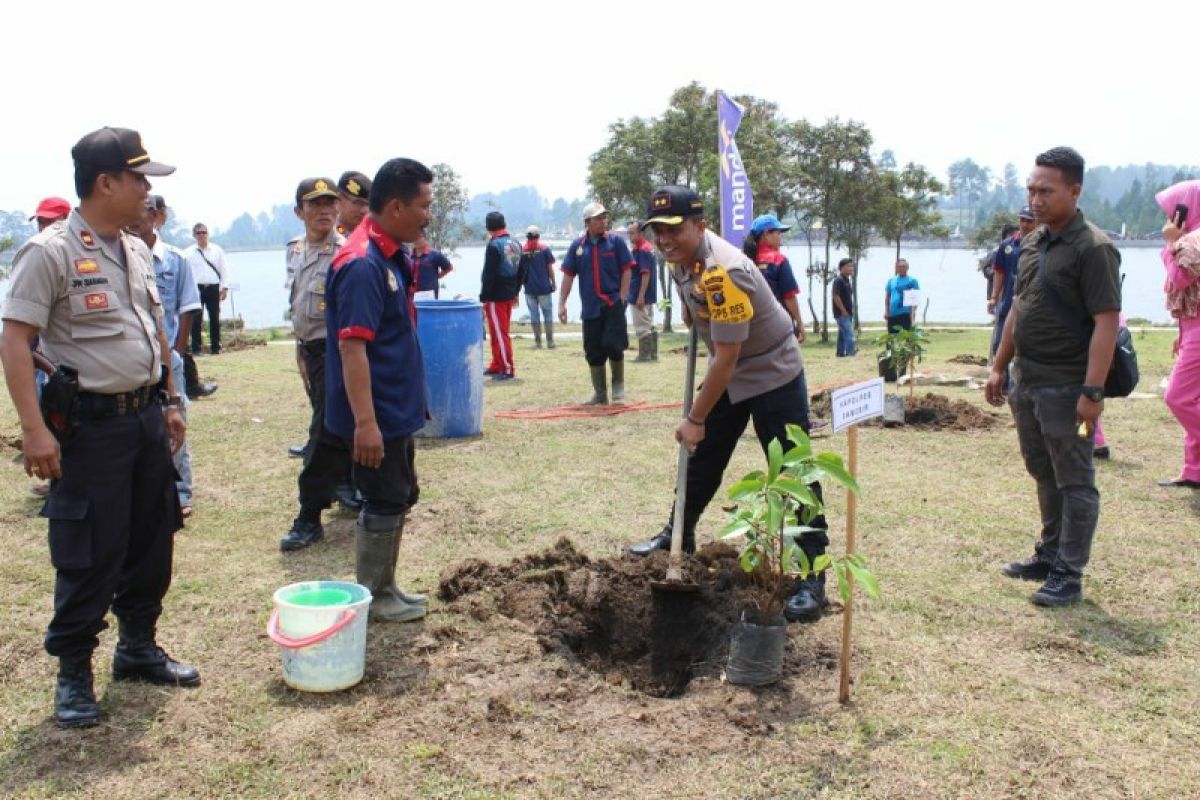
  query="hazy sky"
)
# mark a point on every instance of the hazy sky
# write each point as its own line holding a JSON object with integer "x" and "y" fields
{"x": 247, "y": 98}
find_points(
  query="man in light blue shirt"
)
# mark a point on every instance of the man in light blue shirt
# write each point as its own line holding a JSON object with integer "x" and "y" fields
{"x": 180, "y": 300}
{"x": 895, "y": 312}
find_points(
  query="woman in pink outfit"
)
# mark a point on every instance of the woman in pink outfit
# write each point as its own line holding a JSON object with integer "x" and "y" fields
{"x": 1181, "y": 258}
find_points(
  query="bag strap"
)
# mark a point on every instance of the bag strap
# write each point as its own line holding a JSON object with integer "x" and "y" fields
{"x": 1056, "y": 302}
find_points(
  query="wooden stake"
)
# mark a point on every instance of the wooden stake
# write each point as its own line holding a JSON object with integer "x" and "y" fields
{"x": 848, "y": 611}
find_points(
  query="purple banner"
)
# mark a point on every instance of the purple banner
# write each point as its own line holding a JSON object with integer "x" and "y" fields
{"x": 737, "y": 201}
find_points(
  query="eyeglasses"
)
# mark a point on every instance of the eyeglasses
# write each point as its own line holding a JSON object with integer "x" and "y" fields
{"x": 200, "y": 233}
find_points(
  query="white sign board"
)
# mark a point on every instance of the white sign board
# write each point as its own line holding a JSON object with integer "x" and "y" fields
{"x": 857, "y": 403}
{"x": 912, "y": 298}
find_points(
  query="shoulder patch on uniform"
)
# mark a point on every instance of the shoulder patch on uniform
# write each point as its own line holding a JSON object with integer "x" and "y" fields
{"x": 727, "y": 302}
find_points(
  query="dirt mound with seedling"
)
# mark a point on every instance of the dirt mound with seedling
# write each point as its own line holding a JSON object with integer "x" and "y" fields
{"x": 967, "y": 358}
{"x": 938, "y": 412}
{"x": 601, "y": 613}
{"x": 930, "y": 412}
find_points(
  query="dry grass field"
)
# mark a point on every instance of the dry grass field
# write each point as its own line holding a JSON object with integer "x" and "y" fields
{"x": 962, "y": 688}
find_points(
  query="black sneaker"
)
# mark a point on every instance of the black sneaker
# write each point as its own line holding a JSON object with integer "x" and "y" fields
{"x": 1060, "y": 589}
{"x": 662, "y": 541}
{"x": 1101, "y": 452}
{"x": 1034, "y": 568}
{"x": 303, "y": 534}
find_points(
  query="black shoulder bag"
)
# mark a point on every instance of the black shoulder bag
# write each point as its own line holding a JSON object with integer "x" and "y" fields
{"x": 1123, "y": 372}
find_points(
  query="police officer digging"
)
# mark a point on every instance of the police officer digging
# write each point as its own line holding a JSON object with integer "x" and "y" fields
{"x": 755, "y": 370}
{"x": 88, "y": 289}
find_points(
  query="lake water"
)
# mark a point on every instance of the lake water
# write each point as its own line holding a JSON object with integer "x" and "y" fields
{"x": 948, "y": 277}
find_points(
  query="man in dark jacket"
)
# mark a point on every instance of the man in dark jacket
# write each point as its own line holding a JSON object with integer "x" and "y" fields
{"x": 498, "y": 293}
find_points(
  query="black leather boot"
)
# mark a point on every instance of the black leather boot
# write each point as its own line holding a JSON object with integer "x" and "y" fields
{"x": 194, "y": 388}
{"x": 138, "y": 658}
{"x": 662, "y": 541}
{"x": 302, "y": 535}
{"x": 807, "y": 600}
{"x": 74, "y": 698}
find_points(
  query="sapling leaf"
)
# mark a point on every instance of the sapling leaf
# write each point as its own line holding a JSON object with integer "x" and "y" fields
{"x": 864, "y": 576}
{"x": 831, "y": 464}
{"x": 748, "y": 560}
{"x": 821, "y": 562}
{"x": 775, "y": 513}
{"x": 774, "y": 460}
{"x": 736, "y": 528}
{"x": 839, "y": 568}
{"x": 797, "y": 436}
{"x": 797, "y": 490}
{"x": 745, "y": 488}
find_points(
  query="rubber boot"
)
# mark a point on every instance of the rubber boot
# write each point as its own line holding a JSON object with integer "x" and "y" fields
{"x": 412, "y": 598}
{"x": 375, "y": 549}
{"x": 643, "y": 349}
{"x": 550, "y": 345}
{"x": 537, "y": 334}
{"x": 654, "y": 345}
{"x": 618, "y": 380}
{"x": 75, "y": 703}
{"x": 599, "y": 387}
{"x": 138, "y": 658}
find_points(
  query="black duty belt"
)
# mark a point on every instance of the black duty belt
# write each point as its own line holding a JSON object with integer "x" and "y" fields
{"x": 312, "y": 345}
{"x": 99, "y": 406}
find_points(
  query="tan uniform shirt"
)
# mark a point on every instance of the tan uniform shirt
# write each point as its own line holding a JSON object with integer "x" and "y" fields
{"x": 731, "y": 302}
{"x": 307, "y": 266}
{"x": 95, "y": 315}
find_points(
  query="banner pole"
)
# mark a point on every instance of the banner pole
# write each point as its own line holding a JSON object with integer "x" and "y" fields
{"x": 848, "y": 611}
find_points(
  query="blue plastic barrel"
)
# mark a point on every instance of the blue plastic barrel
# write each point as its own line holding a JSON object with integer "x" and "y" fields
{"x": 451, "y": 335}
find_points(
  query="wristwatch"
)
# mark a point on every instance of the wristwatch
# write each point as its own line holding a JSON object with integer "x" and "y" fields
{"x": 174, "y": 400}
{"x": 1093, "y": 393}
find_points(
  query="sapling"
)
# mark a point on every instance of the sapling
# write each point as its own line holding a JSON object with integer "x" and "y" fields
{"x": 775, "y": 506}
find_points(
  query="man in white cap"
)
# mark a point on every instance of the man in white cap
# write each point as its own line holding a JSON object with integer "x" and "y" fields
{"x": 603, "y": 263}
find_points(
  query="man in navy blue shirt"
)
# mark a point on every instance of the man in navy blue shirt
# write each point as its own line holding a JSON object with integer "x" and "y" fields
{"x": 1005, "y": 270}
{"x": 603, "y": 263}
{"x": 432, "y": 265}
{"x": 643, "y": 293}
{"x": 539, "y": 285}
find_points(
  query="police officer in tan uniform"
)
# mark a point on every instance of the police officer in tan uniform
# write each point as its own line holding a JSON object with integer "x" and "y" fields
{"x": 755, "y": 372}
{"x": 88, "y": 289}
{"x": 308, "y": 258}
{"x": 354, "y": 192}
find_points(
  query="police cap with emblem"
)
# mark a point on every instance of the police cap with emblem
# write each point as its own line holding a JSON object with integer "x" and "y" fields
{"x": 354, "y": 184}
{"x": 671, "y": 205}
{"x": 117, "y": 149}
{"x": 312, "y": 188}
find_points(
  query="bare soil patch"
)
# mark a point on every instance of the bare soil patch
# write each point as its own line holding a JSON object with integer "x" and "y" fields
{"x": 601, "y": 613}
{"x": 938, "y": 412}
{"x": 967, "y": 358}
{"x": 929, "y": 412}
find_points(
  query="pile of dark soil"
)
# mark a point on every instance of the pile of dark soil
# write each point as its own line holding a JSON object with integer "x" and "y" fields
{"x": 938, "y": 412}
{"x": 602, "y": 612}
{"x": 931, "y": 412}
{"x": 967, "y": 358}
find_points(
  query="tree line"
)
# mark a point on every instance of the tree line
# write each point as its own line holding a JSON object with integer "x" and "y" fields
{"x": 822, "y": 178}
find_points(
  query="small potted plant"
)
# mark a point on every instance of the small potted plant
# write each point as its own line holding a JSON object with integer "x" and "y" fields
{"x": 772, "y": 508}
{"x": 899, "y": 351}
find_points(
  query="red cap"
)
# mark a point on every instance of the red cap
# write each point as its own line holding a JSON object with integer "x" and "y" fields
{"x": 52, "y": 208}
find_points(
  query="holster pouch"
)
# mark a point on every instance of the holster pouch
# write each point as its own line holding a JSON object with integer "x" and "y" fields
{"x": 60, "y": 402}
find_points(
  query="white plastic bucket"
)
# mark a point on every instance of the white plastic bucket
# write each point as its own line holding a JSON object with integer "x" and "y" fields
{"x": 321, "y": 630}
